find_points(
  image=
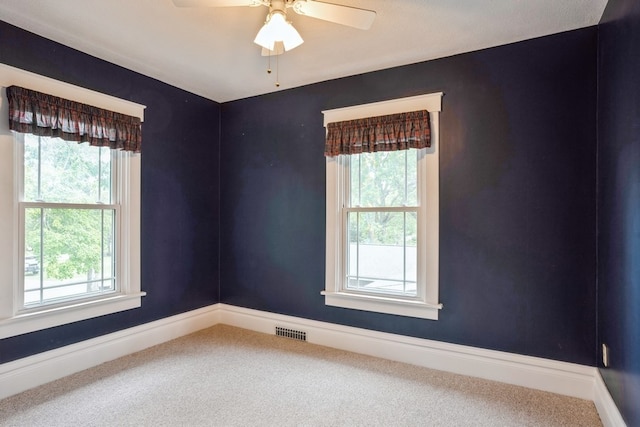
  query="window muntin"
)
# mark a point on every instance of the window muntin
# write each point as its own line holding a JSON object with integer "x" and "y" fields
{"x": 69, "y": 224}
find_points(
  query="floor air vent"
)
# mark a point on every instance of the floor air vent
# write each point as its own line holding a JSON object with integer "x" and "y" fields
{"x": 291, "y": 333}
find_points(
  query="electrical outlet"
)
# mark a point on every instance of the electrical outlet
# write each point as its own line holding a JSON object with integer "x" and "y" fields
{"x": 605, "y": 355}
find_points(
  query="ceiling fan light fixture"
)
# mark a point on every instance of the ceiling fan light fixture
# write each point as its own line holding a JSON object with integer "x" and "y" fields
{"x": 278, "y": 49}
{"x": 278, "y": 29}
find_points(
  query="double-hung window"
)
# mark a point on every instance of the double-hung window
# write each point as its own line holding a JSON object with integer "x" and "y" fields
{"x": 69, "y": 220}
{"x": 382, "y": 207}
{"x": 69, "y": 213}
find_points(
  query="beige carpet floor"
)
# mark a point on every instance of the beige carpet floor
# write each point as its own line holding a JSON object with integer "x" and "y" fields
{"x": 225, "y": 376}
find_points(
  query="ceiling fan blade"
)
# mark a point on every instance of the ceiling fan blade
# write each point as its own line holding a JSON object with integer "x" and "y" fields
{"x": 345, "y": 15}
{"x": 215, "y": 3}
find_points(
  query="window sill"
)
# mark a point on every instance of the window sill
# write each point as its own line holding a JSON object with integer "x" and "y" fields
{"x": 382, "y": 304}
{"x": 56, "y": 316}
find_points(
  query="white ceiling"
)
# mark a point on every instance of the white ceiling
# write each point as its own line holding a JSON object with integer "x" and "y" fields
{"x": 210, "y": 51}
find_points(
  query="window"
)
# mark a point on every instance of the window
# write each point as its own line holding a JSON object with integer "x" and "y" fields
{"x": 68, "y": 215}
{"x": 69, "y": 221}
{"x": 382, "y": 221}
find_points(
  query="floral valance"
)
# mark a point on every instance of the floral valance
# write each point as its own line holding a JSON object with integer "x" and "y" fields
{"x": 383, "y": 133}
{"x": 47, "y": 115}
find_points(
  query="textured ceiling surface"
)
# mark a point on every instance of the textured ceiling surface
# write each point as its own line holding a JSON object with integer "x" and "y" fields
{"x": 210, "y": 51}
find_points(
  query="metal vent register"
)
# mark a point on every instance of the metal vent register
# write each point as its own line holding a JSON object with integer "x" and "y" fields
{"x": 291, "y": 333}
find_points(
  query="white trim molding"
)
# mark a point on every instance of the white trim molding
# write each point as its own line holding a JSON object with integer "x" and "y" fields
{"x": 431, "y": 102}
{"x": 569, "y": 379}
{"x": 15, "y": 76}
{"x": 564, "y": 378}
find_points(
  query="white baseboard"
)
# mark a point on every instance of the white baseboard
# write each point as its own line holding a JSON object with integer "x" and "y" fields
{"x": 32, "y": 371}
{"x": 563, "y": 378}
{"x": 607, "y": 409}
{"x": 558, "y": 377}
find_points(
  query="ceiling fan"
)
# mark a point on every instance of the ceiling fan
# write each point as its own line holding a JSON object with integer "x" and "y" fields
{"x": 278, "y": 35}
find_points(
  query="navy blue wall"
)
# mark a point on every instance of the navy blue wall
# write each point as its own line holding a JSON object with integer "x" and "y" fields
{"x": 517, "y": 197}
{"x": 180, "y": 187}
{"x": 518, "y": 150}
{"x": 619, "y": 202}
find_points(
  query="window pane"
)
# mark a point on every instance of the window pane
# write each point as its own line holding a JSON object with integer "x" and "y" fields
{"x": 74, "y": 249}
{"x": 382, "y": 254}
{"x": 412, "y": 177}
{"x": 65, "y": 171}
{"x": 105, "y": 194}
{"x": 31, "y": 167}
{"x": 354, "y": 173}
{"x": 387, "y": 178}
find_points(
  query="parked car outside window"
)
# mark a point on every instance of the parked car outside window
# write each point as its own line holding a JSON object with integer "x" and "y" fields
{"x": 31, "y": 265}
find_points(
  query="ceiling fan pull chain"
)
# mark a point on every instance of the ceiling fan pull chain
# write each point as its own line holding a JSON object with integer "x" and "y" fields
{"x": 269, "y": 63}
{"x": 277, "y": 71}
{"x": 277, "y": 68}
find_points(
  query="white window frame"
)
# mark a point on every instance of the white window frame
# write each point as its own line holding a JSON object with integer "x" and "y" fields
{"x": 426, "y": 305}
{"x": 13, "y": 319}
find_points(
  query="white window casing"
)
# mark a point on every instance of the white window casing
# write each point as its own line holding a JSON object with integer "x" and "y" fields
{"x": 426, "y": 305}
{"x": 13, "y": 319}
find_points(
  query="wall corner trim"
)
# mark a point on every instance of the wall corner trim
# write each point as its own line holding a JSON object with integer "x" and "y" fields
{"x": 563, "y": 378}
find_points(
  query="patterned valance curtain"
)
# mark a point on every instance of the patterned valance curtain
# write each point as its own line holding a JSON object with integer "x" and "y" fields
{"x": 47, "y": 115}
{"x": 383, "y": 133}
